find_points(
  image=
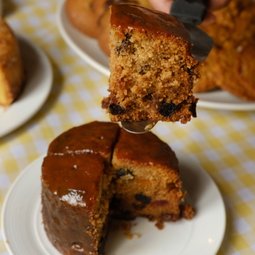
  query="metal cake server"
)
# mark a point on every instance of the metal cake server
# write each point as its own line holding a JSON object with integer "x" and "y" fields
{"x": 138, "y": 127}
{"x": 191, "y": 13}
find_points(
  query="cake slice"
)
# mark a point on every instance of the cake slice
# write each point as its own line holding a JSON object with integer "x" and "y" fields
{"x": 152, "y": 69}
{"x": 75, "y": 202}
{"x": 11, "y": 67}
{"x": 147, "y": 179}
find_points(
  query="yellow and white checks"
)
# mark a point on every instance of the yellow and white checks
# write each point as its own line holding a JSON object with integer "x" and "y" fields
{"x": 223, "y": 142}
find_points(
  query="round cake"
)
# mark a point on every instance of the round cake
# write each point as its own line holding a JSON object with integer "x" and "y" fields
{"x": 97, "y": 170}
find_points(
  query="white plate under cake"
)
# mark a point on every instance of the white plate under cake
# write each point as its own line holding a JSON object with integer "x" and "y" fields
{"x": 24, "y": 232}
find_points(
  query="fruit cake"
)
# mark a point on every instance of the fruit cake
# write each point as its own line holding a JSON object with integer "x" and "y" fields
{"x": 97, "y": 171}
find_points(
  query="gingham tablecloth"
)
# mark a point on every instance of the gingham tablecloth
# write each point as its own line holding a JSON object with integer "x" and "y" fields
{"x": 223, "y": 142}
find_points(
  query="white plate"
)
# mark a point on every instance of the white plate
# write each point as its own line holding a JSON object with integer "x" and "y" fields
{"x": 88, "y": 49}
{"x": 36, "y": 89}
{"x": 24, "y": 234}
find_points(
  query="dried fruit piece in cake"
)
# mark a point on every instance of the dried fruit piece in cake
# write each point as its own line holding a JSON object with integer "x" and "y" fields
{"x": 152, "y": 69}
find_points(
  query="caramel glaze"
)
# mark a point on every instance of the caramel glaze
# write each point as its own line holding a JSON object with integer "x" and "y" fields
{"x": 64, "y": 225}
{"x": 147, "y": 149}
{"x": 72, "y": 179}
{"x": 144, "y": 19}
{"x": 75, "y": 179}
{"x": 102, "y": 6}
{"x": 71, "y": 186}
{"x": 95, "y": 137}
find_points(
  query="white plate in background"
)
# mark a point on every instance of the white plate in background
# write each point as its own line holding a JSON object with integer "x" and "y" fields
{"x": 223, "y": 100}
{"x": 36, "y": 89}
{"x": 87, "y": 48}
{"x": 23, "y": 232}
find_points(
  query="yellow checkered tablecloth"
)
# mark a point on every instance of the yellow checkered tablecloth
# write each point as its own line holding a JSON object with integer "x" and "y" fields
{"x": 223, "y": 142}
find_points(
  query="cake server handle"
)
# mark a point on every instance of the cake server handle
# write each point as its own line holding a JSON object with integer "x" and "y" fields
{"x": 191, "y": 13}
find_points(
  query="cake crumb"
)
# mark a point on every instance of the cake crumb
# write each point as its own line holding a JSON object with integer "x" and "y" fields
{"x": 160, "y": 224}
{"x": 125, "y": 227}
{"x": 188, "y": 211}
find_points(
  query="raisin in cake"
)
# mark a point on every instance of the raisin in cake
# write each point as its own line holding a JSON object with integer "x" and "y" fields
{"x": 152, "y": 69}
{"x": 97, "y": 170}
{"x": 11, "y": 67}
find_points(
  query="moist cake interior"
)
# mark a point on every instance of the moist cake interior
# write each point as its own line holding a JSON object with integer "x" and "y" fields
{"x": 152, "y": 70}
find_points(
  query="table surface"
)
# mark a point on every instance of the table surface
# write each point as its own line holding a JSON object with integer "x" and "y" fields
{"x": 223, "y": 142}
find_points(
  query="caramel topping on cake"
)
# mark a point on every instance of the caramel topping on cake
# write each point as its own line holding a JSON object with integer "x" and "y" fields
{"x": 95, "y": 137}
{"x": 126, "y": 15}
{"x": 82, "y": 178}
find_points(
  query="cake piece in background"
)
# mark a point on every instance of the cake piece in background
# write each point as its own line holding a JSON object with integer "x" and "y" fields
{"x": 11, "y": 67}
{"x": 90, "y": 17}
{"x": 230, "y": 64}
{"x": 152, "y": 69}
{"x": 82, "y": 16}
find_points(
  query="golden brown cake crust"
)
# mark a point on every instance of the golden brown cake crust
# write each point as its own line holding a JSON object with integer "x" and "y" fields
{"x": 11, "y": 66}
